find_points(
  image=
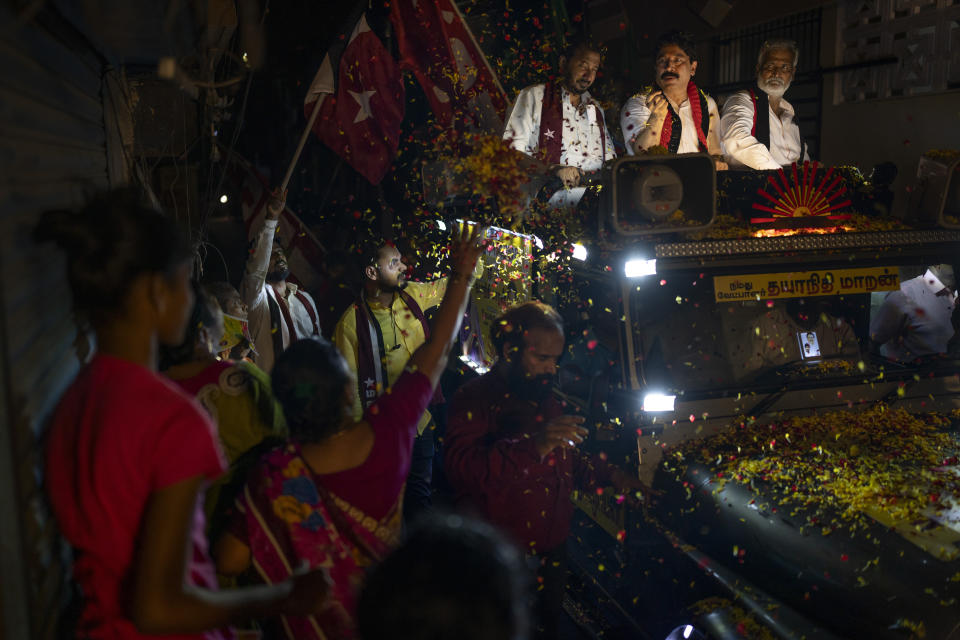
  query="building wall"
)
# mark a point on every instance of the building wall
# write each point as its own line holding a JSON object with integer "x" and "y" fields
{"x": 52, "y": 155}
{"x": 895, "y": 129}
{"x": 898, "y": 129}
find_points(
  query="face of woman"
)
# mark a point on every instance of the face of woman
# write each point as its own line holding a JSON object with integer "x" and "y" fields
{"x": 175, "y": 304}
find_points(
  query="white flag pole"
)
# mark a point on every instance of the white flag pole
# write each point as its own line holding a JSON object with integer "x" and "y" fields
{"x": 303, "y": 141}
{"x": 301, "y": 227}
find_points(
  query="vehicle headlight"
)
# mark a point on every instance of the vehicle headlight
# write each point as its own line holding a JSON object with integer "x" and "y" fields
{"x": 654, "y": 401}
{"x": 639, "y": 267}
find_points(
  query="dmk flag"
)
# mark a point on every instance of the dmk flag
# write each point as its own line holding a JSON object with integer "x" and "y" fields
{"x": 437, "y": 46}
{"x": 359, "y": 91}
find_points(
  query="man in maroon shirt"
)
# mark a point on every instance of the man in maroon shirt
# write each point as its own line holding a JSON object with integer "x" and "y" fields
{"x": 511, "y": 451}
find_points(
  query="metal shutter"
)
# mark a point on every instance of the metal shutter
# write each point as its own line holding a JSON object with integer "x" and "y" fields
{"x": 52, "y": 154}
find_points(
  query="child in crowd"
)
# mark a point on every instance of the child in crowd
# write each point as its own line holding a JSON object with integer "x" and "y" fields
{"x": 236, "y": 343}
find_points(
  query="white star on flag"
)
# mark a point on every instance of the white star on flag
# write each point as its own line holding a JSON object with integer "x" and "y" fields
{"x": 363, "y": 99}
{"x": 548, "y": 133}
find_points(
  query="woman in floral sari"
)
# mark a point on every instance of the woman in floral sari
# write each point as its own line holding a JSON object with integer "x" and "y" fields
{"x": 332, "y": 497}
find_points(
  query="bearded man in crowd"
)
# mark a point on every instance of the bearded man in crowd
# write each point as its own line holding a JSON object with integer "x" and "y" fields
{"x": 511, "y": 449}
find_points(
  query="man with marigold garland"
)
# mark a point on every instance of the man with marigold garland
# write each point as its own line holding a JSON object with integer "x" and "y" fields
{"x": 676, "y": 114}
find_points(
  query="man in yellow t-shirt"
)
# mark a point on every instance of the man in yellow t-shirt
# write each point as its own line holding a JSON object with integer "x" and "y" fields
{"x": 378, "y": 351}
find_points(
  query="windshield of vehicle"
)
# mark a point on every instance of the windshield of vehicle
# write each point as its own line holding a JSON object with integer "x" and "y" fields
{"x": 734, "y": 330}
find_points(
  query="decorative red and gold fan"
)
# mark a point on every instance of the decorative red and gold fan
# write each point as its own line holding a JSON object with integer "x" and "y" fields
{"x": 801, "y": 201}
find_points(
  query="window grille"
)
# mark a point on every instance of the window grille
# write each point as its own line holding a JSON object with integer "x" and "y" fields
{"x": 735, "y": 67}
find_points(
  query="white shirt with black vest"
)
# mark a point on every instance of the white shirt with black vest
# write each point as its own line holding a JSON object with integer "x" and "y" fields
{"x": 744, "y": 150}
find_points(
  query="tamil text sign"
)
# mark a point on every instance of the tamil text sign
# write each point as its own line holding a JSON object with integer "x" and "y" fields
{"x": 799, "y": 284}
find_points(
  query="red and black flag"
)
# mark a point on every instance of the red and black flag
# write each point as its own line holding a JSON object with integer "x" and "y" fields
{"x": 437, "y": 46}
{"x": 359, "y": 91}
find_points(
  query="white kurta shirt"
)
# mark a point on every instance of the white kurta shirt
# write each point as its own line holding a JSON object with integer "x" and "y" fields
{"x": 582, "y": 135}
{"x": 744, "y": 150}
{"x": 635, "y": 113}
{"x": 914, "y": 321}
{"x": 255, "y": 292}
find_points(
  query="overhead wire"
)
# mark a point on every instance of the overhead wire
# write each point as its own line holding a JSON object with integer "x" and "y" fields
{"x": 238, "y": 126}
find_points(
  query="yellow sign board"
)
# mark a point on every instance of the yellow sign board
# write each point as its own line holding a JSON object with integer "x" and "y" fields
{"x": 800, "y": 284}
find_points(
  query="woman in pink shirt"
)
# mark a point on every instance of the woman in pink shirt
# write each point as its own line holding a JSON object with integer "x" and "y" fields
{"x": 129, "y": 454}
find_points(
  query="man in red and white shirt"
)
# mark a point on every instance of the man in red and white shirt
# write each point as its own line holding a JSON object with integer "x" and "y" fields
{"x": 561, "y": 123}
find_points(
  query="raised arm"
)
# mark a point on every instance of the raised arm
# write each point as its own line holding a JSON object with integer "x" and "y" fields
{"x": 646, "y": 114}
{"x": 430, "y": 294}
{"x": 633, "y": 119}
{"x": 255, "y": 272}
{"x": 431, "y": 358}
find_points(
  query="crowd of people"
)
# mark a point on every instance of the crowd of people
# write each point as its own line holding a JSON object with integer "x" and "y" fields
{"x": 224, "y": 466}
{"x": 220, "y": 468}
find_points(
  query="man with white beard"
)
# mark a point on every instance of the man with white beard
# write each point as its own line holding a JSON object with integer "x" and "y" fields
{"x": 751, "y": 139}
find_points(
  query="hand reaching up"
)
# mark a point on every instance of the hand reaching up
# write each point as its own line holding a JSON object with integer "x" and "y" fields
{"x": 465, "y": 249}
{"x": 657, "y": 103}
{"x": 276, "y": 204}
{"x": 570, "y": 176}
